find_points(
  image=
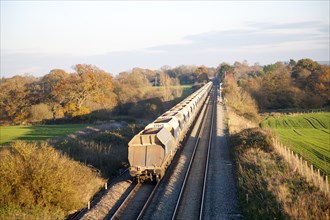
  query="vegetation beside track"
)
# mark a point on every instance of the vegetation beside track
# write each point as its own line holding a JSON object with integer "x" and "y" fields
{"x": 23, "y": 194}
{"x": 268, "y": 186}
{"x": 306, "y": 134}
{"x": 37, "y": 182}
{"x": 104, "y": 149}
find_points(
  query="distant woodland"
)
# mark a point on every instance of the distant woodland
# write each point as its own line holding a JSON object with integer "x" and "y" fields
{"x": 89, "y": 92}
{"x": 92, "y": 93}
{"x": 297, "y": 85}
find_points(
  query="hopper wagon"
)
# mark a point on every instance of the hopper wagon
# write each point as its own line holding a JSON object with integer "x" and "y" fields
{"x": 151, "y": 151}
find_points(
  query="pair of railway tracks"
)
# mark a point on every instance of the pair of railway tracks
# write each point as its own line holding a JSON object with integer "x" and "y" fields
{"x": 190, "y": 203}
{"x": 192, "y": 191}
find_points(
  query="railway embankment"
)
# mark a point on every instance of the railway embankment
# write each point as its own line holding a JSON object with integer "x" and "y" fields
{"x": 110, "y": 200}
{"x": 267, "y": 185}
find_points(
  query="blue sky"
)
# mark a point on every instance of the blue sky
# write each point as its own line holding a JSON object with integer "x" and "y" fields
{"x": 119, "y": 35}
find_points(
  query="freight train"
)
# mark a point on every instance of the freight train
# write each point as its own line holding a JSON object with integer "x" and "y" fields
{"x": 151, "y": 151}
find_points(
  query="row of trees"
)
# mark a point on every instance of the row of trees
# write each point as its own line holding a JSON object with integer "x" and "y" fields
{"x": 89, "y": 89}
{"x": 302, "y": 84}
{"x": 56, "y": 95}
{"x": 23, "y": 99}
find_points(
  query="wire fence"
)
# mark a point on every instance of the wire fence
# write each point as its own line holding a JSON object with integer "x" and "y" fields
{"x": 296, "y": 111}
{"x": 303, "y": 167}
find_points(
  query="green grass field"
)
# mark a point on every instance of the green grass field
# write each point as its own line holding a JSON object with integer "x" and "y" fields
{"x": 36, "y": 132}
{"x": 307, "y": 135}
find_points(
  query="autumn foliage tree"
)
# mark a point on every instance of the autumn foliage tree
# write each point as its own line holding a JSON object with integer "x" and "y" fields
{"x": 56, "y": 95}
{"x": 88, "y": 83}
{"x": 130, "y": 86}
{"x": 319, "y": 82}
{"x": 238, "y": 98}
{"x": 202, "y": 74}
{"x": 302, "y": 84}
{"x": 53, "y": 88}
{"x": 302, "y": 70}
{"x": 15, "y": 98}
{"x": 185, "y": 74}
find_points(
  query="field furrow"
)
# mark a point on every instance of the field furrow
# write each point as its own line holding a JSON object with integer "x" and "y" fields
{"x": 307, "y": 135}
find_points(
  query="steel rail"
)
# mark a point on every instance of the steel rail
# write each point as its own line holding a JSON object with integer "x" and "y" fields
{"x": 123, "y": 204}
{"x": 74, "y": 215}
{"x": 146, "y": 204}
{"x": 207, "y": 160}
{"x": 190, "y": 163}
{"x": 158, "y": 183}
{"x": 132, "y": 193}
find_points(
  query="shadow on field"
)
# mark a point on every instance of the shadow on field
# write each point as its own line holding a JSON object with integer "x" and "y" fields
{"x": 43, "y": 132}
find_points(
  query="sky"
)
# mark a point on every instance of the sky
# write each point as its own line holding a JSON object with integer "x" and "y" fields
{"x": 116, "y": 36}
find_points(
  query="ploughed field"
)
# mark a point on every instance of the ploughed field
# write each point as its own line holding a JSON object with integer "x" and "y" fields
{"x": 306, "y": 134}
{"x": 36, "y": 132}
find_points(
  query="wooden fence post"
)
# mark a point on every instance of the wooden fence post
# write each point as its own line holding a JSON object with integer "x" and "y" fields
{"x": 293, "y": 158}
{"x": 326, "y": 185}
{"x": 312, "y": 174}
{"x": 297, "y": 162}
{"x": 306, "y": 170}
{"x": 319, "y": 178}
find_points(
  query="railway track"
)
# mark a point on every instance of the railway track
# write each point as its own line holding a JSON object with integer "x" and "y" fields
{"x": 166, "y": 197}
{"x": 190, "y": 203}
{"x": 74, "y": 216}
{"x": 210, "y": 142}
{"x": 136, "y": 201}
{"x": 142, "y": 198}
{"x": 202, "y": 191}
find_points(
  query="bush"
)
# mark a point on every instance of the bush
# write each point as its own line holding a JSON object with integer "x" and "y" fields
{"x": 240, "y": 100}
{"x": 38, "y": 182}
{"x": 252, "y": 138}
{"x": 40, "y": 112}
